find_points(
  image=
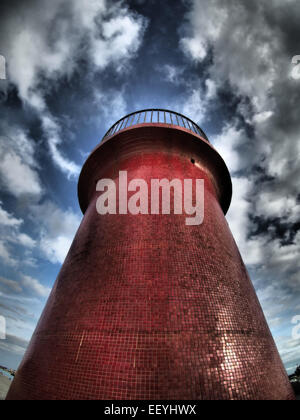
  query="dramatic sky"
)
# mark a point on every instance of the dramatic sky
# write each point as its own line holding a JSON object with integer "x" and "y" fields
{"x": 76, "y": 66}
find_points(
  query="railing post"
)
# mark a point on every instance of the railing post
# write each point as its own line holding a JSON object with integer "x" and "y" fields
{"x": 130, "y": 120}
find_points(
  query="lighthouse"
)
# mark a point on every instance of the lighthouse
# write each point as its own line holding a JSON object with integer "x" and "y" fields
{"x": 148, "y": 306}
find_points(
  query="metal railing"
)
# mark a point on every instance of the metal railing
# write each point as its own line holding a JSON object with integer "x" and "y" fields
{"x": 162, "y": 116}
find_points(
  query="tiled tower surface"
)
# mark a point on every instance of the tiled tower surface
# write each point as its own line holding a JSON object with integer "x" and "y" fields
{"x": 146, "y": 307}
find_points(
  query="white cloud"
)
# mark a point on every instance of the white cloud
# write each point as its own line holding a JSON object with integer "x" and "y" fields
{"x": 250, "y": 54}
{"x": 35, "y": 286}
{"x": 256, "y": 68}
{"x": 56, "y": 249}
{"x": 261, "y": 250}
{"x": 11, "y": 284}
{"x": 14, "y": 344}
{"x": 171, "y": 73}
{"x": 196, "y": 48}
{"x": 6, "y": 256}
{"x": 211, "y": 88}
{"x": 17, "y": 172}
{"x": 52, "y": 129}
{"x": 194, "y": 106}
{"x": 122, "y": 38}
{"x": 111, "y": 104}
{"x": 102, "y": 33}
{"x": 8, "y": 219}
{"x": 25, "y": 240}
{"x": 289, "y": 350}
{"x": 271, "y": 205}
{"x": 17, "y": 139}
{"x": 286, "y": 256}
{"x": 227, "y": 144}
{"x": 237, "y": 217}
{"x": 249, "y": 65}
{"x": 22, "y": 180}
{"x": 261, "y": 117}
{"x": 57, "y": 232}
{"x": 10, "y": 232}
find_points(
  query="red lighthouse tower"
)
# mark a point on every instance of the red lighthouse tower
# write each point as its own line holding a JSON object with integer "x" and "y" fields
{"x": 146, "y": 307}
